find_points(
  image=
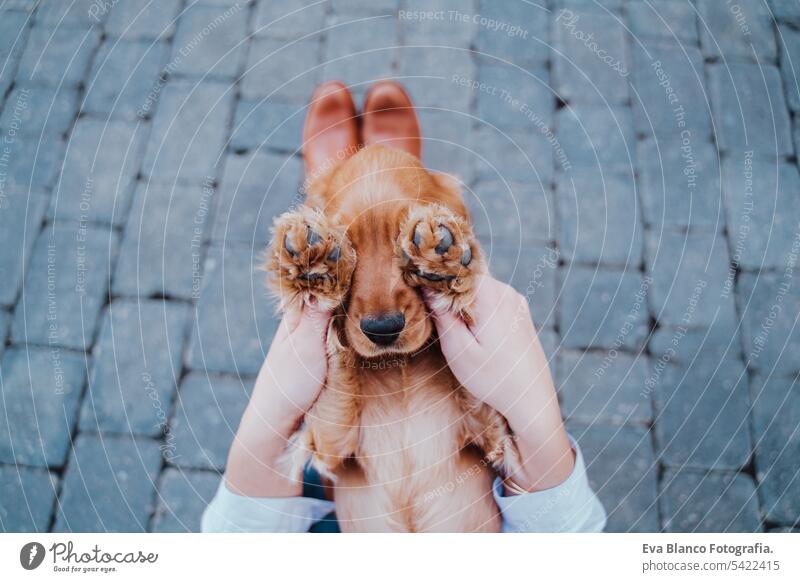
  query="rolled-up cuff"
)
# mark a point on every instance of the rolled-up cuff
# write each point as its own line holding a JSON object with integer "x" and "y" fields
{"x": 571, "y": 506}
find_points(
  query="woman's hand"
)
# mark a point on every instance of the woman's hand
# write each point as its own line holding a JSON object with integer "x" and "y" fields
{"x": 294, "y": 370}
{"x": 500, "y": 361}
{"x": 288, "y": 383}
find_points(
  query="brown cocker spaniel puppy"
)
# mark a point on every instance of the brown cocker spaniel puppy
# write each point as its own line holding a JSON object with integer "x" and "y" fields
{"x": 407, "y": 447}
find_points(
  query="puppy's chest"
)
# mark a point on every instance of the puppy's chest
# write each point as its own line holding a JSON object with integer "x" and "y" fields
{"x": 409, "y": 416}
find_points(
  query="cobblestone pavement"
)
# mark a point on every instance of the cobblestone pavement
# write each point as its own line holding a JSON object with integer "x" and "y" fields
{"x": 631, "y": 167}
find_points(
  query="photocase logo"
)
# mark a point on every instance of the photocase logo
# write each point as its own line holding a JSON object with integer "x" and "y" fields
{"x": 31, "y": 555}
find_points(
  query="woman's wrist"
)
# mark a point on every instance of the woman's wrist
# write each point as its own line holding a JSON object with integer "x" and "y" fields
{"x": 270, "y": 410}
{"x": 254, "y": 467}
{"x": 542, "y": 442}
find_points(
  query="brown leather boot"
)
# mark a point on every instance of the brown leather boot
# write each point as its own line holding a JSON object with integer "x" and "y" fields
{"x": 389, "y": 119}
{"x": 330, "y": 133}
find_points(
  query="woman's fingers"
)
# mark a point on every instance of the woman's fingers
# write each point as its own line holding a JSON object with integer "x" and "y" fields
{"x": 288, "y": 324}
{"x": 313, "y": 322}
{"x": 454, "y": 335}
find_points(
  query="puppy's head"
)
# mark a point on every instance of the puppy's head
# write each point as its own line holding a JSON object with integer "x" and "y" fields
{"x": 371, "y": 195}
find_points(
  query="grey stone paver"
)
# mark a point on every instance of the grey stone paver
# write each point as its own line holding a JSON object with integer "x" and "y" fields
{"x": 209, "y": 41}
{"x": 137, "y": 364}
{"x": 13, "y": 34}
{"x": 603, "y": 387}
{"x": 681, "y": 344}
{"x": 36, "y": 110}
{"x": 622, "y": 471}
{"x": 764, "y": 225}
{"x": 709, "y": 502}
{"x": 579, "y": 74}
{"x": 602, "y": 308}
{"x": 785, "y": 11}
{"x": 20, "y": 222}
{"x": 796, "y": 136}
{"x": 81, "y": 14}
{"x": 684, "y": 398}
{"x": 20, "y": 5}
{"x": 235, "y": 321}
{"x": 511, "y": 213}
{"x": 670, "y": 103}
{"x": 443, "y": 149}
{"x": 749, "y": 109}
{"x": 599, "y": 218}
{"x": 524, "y": 41}
{"x": 289, "y": 19}
{"x": 57, "y": 57}
{"x": 65, "y": 286}
{"x": 33, "y": 161}
{"x": 207, "y": 414}
{"x": 598, "y": 136}
{"x": 27, "y": 497}
{"x": 769, "y": 322}
{"x": 359, "y": 51}
{"x": 162, "y": 249}
{"x": 359, "y": 8}
{"x": 523, "y": 156}
{"x": 690, "y": 278}
{"x": 142, "y": 19}
{"x": 431, "y": 76}
{"x": 532, "y": 271}
{"x": 109, "y": 485}
{"x": 254, "y": 190}
{"x": 41, "y": 390}
{"x": 5, "y": 325}
{"x": 123, "y": 76}
{"x": 701, "y": 412}
{"x": 189, "y": 131}
{"x": 444, "y": 28}
{"x": 266, "y": 73}
{"x": 600, "y": 6}
{"x": 268, "y": 125}
{"x": 776, "y": 416}
{"x": 679, "y": 185}
{"x": 512, "y": 96}
{"x": 100, "y": 166}
{"x": 789, "y": 43}
{"x": 742, "y": 31}
{"x": 670, "y": 20}
{"x": 183, "y": 495}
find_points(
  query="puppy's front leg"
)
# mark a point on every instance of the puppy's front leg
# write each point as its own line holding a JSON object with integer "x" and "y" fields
{"x": 309, "y": 257}
{"x": 439, "y": 251}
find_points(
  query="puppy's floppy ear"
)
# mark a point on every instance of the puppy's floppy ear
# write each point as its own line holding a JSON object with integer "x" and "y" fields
{"x": 452, "y": 196}
{"x": 447, "y": 182}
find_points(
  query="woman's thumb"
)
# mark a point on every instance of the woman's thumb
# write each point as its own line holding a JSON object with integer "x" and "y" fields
{"x": 454, "y": 334}
{"x": 314, "y": 320}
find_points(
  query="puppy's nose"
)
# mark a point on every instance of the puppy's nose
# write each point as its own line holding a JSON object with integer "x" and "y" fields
{"x": 383, "y": 329}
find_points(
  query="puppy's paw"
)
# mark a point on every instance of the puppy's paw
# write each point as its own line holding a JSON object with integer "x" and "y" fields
{"x": 439, "y": 251}
{"x": 309, "y": 257}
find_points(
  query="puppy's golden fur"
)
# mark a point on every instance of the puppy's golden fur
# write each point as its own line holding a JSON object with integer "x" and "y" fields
{"x": 407, "y": 447}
